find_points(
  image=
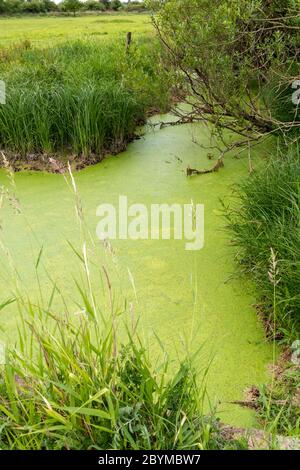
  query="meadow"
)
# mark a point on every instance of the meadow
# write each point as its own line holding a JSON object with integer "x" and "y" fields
{"x": 103, "y": 349}
{"x": 49, "y": 30}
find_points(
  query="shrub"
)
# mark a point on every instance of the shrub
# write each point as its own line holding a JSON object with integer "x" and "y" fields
{"x": 116, "y": 5}
{"x": 226, "y": 54}
{"x": 13, "y": 6}
{"x": 35, "y": 6}
{"x": 278, "y": 406}
{"x": 136, "y": 7}
{"x": 93, "y": 5}
{"x": 50, "y": 5}
{"x": 72, "y": 6}
{"x": 2, "y": 6}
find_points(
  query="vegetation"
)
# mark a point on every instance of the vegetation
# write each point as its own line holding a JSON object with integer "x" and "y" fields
{"x": 72, "y": 6}
{"x": 265, "y": 225}
{"x": 238, "y": 64}
{"x": 72, "y": 383}
{"x": 46, "y": 30}
{"x": 86, "y": 385}
{"x": 235, "y": 59}
{"x": 14, "y": 7}
{"x": 268, "y": 216}
{"x": 239, "y": 70}
{"x": 75, "y": 98}
{"x": 77, "y": 392}
{"x": 278, "y": 405}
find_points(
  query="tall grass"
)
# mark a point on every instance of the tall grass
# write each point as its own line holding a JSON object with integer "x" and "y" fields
{"x": 278, "y": 406}
{"x": 84, "y": 97}
{"x": 84, "y": 379}
{"x": 72, "y": 383}
{"x": 267, "y": 216}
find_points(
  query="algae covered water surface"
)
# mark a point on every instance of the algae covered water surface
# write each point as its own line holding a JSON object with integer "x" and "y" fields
{"x": 178, "y": 294}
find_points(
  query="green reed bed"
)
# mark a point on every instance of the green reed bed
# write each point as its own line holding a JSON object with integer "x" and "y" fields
{"x": 82, "y": 98}
{"x": 266, "y": 220}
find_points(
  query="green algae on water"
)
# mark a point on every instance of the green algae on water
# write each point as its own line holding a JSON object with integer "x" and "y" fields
{"x": 179, "y": 294}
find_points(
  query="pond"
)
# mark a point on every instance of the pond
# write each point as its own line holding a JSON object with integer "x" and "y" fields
{"x": 179, "y": 293}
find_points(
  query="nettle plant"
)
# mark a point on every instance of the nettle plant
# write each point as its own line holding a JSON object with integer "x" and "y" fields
{"x": 236, "y": 62}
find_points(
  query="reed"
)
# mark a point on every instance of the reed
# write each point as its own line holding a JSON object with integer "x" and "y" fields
{"x": 267, "y": 216}
{"x": 83, "y": 97}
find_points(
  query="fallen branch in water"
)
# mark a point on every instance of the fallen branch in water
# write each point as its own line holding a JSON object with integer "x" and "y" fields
{"x": 255, "y": 405}
{"x": 247, "y": 404}
{"x": 260, "y": 440}
{"x": 192, "y": 171}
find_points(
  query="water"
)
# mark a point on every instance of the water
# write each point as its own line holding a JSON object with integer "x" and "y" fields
{"x": 178, "y": 293}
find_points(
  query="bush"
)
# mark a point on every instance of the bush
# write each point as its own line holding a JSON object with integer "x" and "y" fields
{"x": 2, "y": 6}
{"x": 72, "y": 6}
{"x": 226, "y": 54}
{"x": 136, "y": 7}
{"x": 35, "y": 6}
{"x": 93, "y": 5}
{"x": 13, "y": 6}
{"x": 50, "y": 5}
{"x": 21, "y": 6}
{"x": 105, "y": 3}
{"x": 116, "y": 5}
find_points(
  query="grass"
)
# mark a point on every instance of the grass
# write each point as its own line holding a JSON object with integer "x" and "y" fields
{"x": 265, "y": 226}
{"x": 72, "y": 383}
{"x": 279, "y": 405}
{"x": 267, "y": 217}
{"x": 77, "y": 392}
{"x": 80, "y": 97}
{"x": 46, "y": 31}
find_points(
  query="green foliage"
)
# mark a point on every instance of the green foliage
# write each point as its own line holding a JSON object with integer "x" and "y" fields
{"x": 278, "y": 97}
{"x": 2, "y": 6}
{"x": 72, "y": 6}
{"x": 136, "y": 6}
{"x": 79, "y": 97}
{"x": 116, "y": 5}
{"x": 11, "y": 7}
{"x": 268, "y": 216}
{"x": 105, "y": 3}
{"x": 80, "y": 387}
{"x": 43, "y": 6}
{"x": 279, "y": 405}
{"x": 93, "y": 5}
{"x": 35, "y": 6}
{"x": 227, "y": 53}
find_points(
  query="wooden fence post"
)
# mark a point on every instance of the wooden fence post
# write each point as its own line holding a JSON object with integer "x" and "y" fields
{"x": 128, "y": 41}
